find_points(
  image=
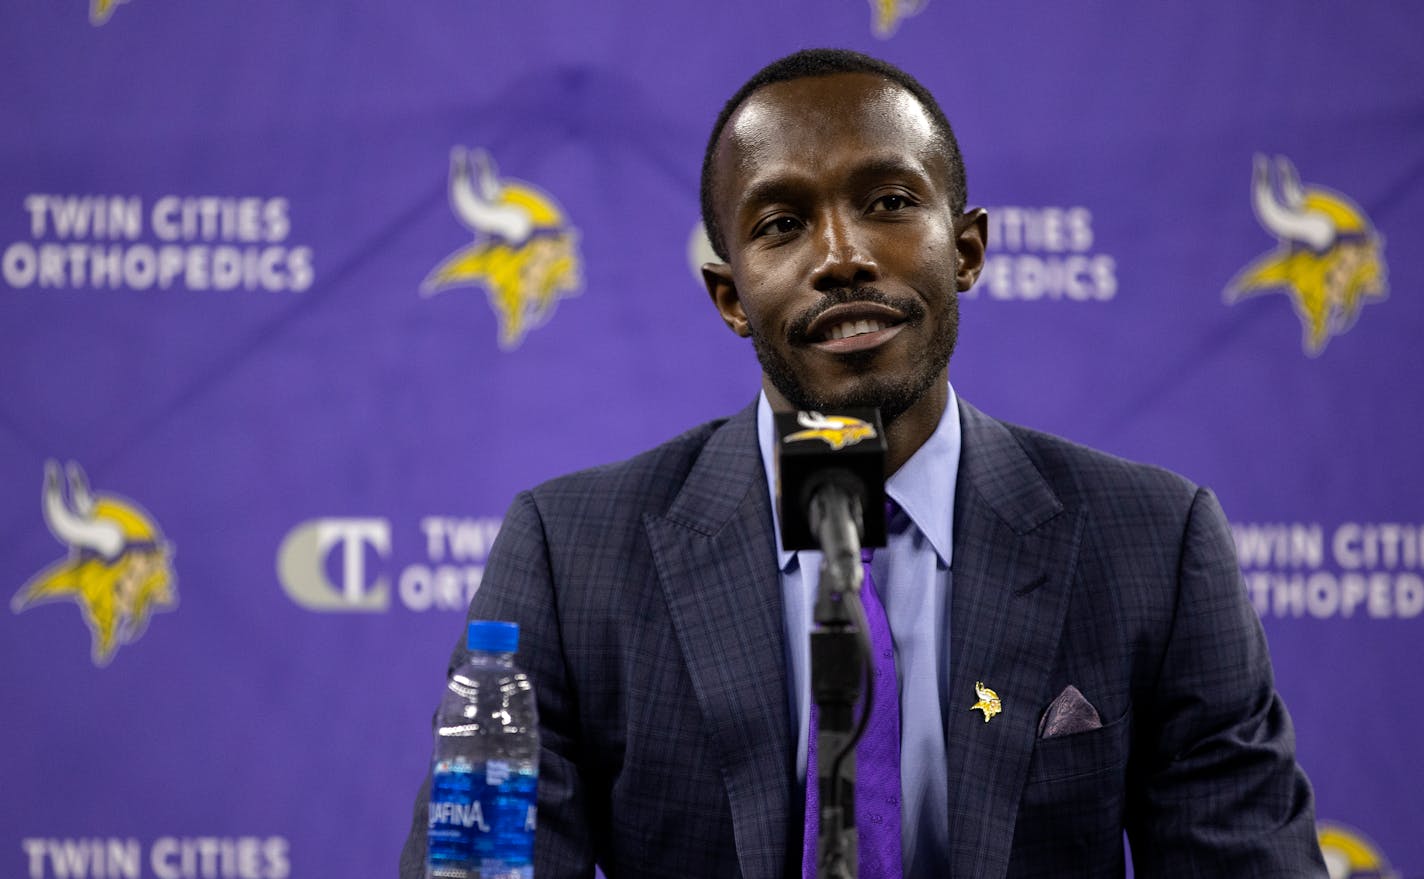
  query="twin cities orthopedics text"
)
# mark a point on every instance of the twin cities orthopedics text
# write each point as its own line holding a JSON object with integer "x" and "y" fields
{"x": 107, "y": 242}
{"x": 1366, "y": 570}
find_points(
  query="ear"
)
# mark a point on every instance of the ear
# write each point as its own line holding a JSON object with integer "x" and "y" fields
{"x": 723, "y": 290}
{"x": 971, "y": 239}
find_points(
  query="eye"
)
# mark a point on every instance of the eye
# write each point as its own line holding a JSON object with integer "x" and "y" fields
{"x": 779, "y": 225}
{"x": 894, "y": 201}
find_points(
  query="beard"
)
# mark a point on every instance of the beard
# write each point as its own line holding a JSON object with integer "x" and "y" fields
{"x": 893, "y": 395}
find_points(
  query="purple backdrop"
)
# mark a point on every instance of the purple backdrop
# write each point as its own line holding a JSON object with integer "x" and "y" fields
{"x": 294, "y": 297}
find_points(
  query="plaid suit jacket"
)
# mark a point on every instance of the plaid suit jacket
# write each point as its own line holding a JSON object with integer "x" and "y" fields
{"x": 651, "y": 621}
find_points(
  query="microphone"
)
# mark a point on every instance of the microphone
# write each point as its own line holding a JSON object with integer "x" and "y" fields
{"x": 831, "y": 496}
{"x": 828, "y": 467}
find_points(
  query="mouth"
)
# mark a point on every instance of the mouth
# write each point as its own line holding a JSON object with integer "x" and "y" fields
{"x": 858, "y": 326}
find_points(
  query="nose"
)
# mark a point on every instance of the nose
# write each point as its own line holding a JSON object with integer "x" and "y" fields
{"x": 844, "y": 258}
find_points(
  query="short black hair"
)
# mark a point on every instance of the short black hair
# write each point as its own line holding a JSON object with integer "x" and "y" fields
{"x": 826, "y": 62}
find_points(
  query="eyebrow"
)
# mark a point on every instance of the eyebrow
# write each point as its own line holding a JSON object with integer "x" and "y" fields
{"x": 788, "y": 187}
{"x": 769, "y": 190}
{"x": 888, "y": 166}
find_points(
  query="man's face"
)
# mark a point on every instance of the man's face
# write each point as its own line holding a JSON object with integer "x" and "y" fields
{"x": 845, "y": 257}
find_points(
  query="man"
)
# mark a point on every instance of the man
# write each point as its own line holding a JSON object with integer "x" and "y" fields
{"x": 665, "y": 628}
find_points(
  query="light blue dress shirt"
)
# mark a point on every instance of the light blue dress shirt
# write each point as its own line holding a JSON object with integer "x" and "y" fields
{"x": 912, "y": 576}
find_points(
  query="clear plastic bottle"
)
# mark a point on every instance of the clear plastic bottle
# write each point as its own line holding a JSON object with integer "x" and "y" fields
{"x": 486, "y": 767}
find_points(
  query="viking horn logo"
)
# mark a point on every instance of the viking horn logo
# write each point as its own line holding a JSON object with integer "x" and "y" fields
{"x": 100, "y": 11}
{"x": 836, "y": 431}
{"x": 525, "y": 254}
{"x": 119, "y": 567}
{"x": 76, "y": 523}
{"x": 477, "y": 203}
{"x": 1285, "y": 214}
{"x": 887, "y": 15}
{"x": 1329, "y": 256}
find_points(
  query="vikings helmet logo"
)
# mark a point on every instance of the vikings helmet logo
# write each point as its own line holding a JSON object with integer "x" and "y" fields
{"x": 525, "y": 254}
{"x": 887, "y": 14}
{"x": 989, "y": 701}
{"x": 836, "y": 431}
{"x": 119, "y": 568}
{"x": 1329, "y": 260}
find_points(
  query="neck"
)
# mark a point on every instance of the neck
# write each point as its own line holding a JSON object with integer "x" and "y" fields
{"x": 905, "y": 435}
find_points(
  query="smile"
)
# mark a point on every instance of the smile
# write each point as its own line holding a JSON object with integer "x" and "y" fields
{"x": 861, "y": 340}
{"x": 856, "y": 326}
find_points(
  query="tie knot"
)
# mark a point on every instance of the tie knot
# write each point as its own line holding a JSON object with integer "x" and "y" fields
{"x": 867, "y": 554}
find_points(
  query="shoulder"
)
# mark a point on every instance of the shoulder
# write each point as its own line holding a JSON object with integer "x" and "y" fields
{"x": 560, "y": 529}
{"x": 1079, "y": 470}
{"x": 1115, "y": 491}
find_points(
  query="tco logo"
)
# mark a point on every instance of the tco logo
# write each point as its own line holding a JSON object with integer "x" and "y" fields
{"x": 344, "y": 564}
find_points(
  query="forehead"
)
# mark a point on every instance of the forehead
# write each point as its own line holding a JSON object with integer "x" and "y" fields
{"x": 810, "y": 123}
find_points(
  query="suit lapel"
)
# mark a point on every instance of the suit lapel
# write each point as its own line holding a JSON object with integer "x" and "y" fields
{"x": 1015, "y": 548}
{"x": 716, "y": 561}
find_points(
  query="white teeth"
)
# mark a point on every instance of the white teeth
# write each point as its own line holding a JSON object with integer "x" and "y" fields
{"x": 855, "y": 328}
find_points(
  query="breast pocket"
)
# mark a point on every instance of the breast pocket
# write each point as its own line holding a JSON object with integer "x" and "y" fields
{"x": 1072, "y": 805}
{"x": 1083, "y": 754}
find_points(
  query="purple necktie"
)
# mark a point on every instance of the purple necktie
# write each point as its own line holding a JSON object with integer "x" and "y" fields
{"x": 877, "y": 759}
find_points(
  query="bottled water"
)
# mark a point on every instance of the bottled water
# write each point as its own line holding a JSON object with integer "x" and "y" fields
{"x": 486, "y": 765}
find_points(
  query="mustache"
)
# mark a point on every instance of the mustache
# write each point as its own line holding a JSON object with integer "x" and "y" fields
{"x": 797, "y": 330}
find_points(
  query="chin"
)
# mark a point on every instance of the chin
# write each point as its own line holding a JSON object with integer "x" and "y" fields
{"x": 866, "y": 381}
{"x": 893, "y": 396}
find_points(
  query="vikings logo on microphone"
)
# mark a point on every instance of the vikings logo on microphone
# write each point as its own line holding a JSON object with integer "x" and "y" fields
{"x": 1329, "y": 260}
{"x": 119, "y": 568}
{"x": 836, "y": 431}
{"x": 525, "y": 253}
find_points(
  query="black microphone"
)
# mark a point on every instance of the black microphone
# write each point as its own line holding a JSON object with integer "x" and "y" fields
{"x": 828, "y": 465}
{"x": 831, "y": 496}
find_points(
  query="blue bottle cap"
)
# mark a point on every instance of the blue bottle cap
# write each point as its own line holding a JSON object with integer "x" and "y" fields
{"x": 492, "y": 637}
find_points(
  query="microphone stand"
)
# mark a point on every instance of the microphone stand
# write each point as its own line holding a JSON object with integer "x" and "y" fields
{"x": 840, "y": 657}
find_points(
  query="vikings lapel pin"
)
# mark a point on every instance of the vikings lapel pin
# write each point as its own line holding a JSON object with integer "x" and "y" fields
{"x": 988, "y": 703}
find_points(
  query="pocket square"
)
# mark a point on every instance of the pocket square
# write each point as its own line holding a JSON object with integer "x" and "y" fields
{"x": 1069, "y": 713}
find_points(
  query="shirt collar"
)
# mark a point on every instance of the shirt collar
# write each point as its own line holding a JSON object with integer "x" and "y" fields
{"x": 923, "y": 487}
